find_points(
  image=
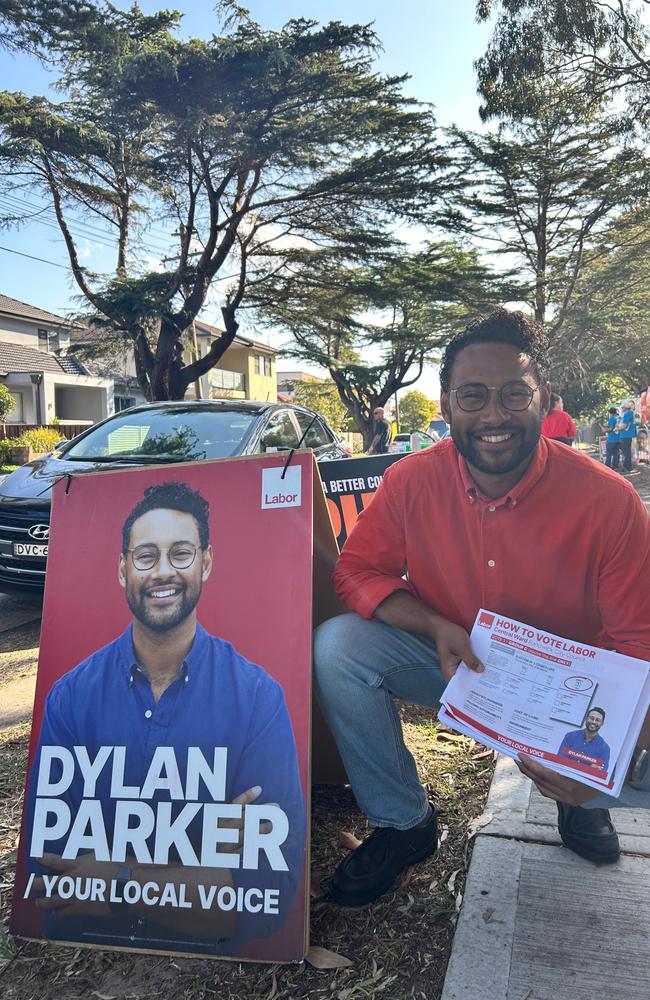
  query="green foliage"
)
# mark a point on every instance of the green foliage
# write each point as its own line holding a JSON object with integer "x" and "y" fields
{"x": 322, "y": 396}
{"x": 35, "y": 25}
{"x": 7, "y": 402}
{"x": 241, "y": 139}
{"x": 605, "y": 337}
{"x": 542, "y": 190}
{"x": 41, "y": 440}
{"x": 590, "y": 400}
{"x": 373, "y": 326}
{"x": 416, "y": 411}
{"x": 604, "y": 46}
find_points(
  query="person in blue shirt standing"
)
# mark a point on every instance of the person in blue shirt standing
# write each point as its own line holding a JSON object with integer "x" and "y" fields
{"x": 586, "y": 746}
{"x": 188, "y": 729}
{"x": 626, "y": 434}
{"x": 612, "y": 446}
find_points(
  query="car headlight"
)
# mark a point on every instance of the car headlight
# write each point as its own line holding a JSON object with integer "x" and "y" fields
{"x": 2, "y": 478}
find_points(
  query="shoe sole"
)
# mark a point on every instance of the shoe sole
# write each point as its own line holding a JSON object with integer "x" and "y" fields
{"x": 354, "y": 901}
{"x": 596, "y": 859}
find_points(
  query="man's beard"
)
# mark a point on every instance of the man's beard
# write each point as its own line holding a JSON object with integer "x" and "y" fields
{"x": 166, "y": 618}
{"x": 495, "y": 465}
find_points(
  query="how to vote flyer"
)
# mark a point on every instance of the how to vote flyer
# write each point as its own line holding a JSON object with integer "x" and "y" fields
{"x": 576, "y": 708}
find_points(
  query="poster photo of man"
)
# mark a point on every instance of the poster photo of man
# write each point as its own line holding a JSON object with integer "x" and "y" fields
{"x": 166, "y": 804}
{"x": 586, "y": 745}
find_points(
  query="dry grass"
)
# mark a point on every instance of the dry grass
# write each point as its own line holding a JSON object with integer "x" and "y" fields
{"x": 398, "y": 947}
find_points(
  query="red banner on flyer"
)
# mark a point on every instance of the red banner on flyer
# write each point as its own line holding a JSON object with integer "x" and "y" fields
{"x": 167, "y": 797}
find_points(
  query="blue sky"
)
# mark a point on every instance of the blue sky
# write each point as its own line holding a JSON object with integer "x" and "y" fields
{"x": 436, "y": 42}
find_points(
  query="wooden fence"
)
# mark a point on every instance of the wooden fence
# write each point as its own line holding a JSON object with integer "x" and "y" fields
{"x": 9, "y": 431}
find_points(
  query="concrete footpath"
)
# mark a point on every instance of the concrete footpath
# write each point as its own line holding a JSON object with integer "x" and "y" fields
{"x": 538, "y": 922}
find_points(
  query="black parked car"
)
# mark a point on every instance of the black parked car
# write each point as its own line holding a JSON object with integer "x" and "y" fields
{"x": 144, "y": 435}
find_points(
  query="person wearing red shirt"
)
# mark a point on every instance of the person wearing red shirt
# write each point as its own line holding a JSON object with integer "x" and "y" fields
{"x": 557, "y": 423}
{"x": 496, "y": 517}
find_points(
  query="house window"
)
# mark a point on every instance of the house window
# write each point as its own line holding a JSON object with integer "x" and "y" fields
{"x": 123, "y": 403}
{"x": 17, "y": 414}
{"x": 47, "y": 341}
{"x": 263, "y": 365}
{"x": 222, "y": 379}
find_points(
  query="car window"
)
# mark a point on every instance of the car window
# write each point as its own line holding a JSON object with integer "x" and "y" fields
{"x": 280, "y": 433}
{"x": 190, "y": 434}
{"x": 317, "y": 435}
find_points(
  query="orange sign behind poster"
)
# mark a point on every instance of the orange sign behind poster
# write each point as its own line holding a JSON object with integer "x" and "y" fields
{"x": 349, "y": 486}
{"x": 167, "y": 804}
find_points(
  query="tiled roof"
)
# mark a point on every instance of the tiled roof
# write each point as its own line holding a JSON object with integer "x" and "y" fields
{"x": 215, "y": 331}
{"x": 16, "y": 358}
{"x": 17, "y": 308}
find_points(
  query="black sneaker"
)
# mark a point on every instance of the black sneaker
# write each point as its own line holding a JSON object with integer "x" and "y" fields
{"x": 369, "y": 871}
{"x": 589, "y": 833}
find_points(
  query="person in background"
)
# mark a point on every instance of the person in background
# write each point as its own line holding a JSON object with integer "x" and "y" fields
{"x": 612, "y": 444}
{"x": 382, "y": 433}
{"x": 557, "y": 424}
{"x": 626, "y": 432}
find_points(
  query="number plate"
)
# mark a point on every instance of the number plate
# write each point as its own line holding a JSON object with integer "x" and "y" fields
{"x": 26, "y": 550}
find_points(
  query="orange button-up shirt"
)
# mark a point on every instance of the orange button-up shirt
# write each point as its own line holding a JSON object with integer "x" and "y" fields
{"x": 566, "y": 550}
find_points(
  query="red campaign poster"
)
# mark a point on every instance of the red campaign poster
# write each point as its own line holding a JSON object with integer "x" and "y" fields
{"x": 167, "y": 802}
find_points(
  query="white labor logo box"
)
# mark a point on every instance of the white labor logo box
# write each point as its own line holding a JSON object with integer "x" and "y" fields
{"x": 281, "y": 491}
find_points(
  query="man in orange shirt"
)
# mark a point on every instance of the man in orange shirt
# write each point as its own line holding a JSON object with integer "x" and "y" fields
{"x": 497, "y": 517}
{"x": 557, "y": 423}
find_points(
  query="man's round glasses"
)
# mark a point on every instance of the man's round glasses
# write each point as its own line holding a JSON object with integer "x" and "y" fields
{"x": 180, "y": 555}
{"x": 512, "y": 396}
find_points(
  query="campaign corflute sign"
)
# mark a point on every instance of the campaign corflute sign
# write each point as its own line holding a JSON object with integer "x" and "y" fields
{"x": 167, "y": 798}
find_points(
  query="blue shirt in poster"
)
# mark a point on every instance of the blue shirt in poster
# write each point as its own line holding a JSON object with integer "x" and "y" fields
{"x": 593, "y": 752}
{"x": 218, "y": 699}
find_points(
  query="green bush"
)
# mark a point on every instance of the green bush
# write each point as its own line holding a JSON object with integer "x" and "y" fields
{"x": 7, "y": 402}
{"x": 5, "y": 445}
{"x": 42, "y": 439}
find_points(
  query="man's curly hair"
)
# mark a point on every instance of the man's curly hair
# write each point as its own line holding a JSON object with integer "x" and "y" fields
{"x": 500, "y": 327}
{"x": 171, "y": 496}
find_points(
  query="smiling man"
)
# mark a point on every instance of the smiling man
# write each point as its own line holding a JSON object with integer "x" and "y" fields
{"x": 495, "y": 517}
{"x": 586, "y": 745}
{"x": 180, "y": 741}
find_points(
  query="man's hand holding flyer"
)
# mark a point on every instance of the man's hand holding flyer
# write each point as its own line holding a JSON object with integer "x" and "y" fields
{"x": 575, "y": 708}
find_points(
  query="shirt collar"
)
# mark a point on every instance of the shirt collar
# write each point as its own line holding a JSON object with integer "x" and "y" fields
{"x": 530, "y": 478}
{"x": 129, "y": 664}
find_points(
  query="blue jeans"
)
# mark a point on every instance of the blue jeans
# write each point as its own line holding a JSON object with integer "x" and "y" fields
{"x": 359, "y": 667}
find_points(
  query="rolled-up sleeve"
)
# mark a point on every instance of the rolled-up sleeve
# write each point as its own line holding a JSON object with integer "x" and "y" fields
{"x": 374, "y": 559}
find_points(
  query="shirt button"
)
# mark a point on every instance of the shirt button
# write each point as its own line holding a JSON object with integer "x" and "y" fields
{"x": 514, "y": 503}
{"x": 491, "y": 563}
{"x": 492, "y": 507}
{"x": 149, "y": 713}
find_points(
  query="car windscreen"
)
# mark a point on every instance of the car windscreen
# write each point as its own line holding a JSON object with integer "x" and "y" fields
{"x": 187, "y": 435}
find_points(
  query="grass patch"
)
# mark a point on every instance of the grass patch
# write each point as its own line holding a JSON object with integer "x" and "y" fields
{"x": 6, "y": 469}
{"x": 399, "y": 947}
